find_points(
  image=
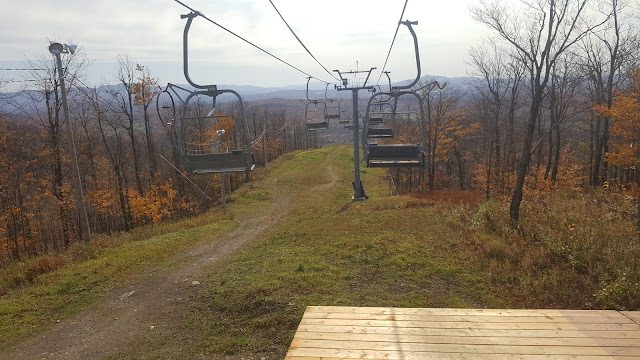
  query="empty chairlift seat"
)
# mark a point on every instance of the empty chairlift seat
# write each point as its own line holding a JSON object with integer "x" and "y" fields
{"x": 203, "y": 146}
{"x": 315, "y": 116}
{"x": 320, "y": 125}
{"x": 376, "y": 119}
{"x": 378, "y": 133}
{"x": 394, "y": 156}
{"x": 216, "y": 163}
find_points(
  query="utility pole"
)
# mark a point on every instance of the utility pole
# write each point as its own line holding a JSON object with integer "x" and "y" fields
{"x": 358, "y": 191}
{"x": 56, "y": 49}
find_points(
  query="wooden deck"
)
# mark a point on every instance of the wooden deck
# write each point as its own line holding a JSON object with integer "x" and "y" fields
{"x": 327, "y": 333}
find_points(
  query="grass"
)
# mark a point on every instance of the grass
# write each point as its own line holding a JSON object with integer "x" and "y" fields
{"x": 331, "y": 251}
{"x": 77, "y": 278}
{"x": 571, "y": 250}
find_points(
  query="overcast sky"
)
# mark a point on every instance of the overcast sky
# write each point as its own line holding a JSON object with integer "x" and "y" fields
{"x": 338, "y": 32}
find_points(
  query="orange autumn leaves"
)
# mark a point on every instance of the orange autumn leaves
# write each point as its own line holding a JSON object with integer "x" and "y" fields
{"x": 625, "y": 111}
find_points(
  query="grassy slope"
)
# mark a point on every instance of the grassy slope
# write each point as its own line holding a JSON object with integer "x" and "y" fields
{"x": 386, "y": 251}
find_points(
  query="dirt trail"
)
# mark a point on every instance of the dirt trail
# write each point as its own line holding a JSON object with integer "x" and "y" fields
{"x": 140, "y": 310}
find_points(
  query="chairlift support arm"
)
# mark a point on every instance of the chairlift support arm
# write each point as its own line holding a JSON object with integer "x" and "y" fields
{"x": 409, "y": 25}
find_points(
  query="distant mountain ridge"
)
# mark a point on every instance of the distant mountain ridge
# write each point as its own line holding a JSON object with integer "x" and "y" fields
{"x": 249, "y": 92}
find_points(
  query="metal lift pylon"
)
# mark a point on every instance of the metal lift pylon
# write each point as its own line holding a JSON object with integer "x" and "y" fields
{"x": 358, "y": 191}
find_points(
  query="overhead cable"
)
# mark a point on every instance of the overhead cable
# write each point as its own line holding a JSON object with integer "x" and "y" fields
{"x": 301, "y": 43}
{"x": 20, "y": 69}
{"x": 17, "y": 81}
{"x": 392, "y": 41}
{"x": 248, "y": 42}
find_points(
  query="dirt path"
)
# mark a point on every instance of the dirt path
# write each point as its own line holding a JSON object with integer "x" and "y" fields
{"x": 133, "y": 314}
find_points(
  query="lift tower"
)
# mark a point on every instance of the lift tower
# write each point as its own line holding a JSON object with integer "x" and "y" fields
{"x": 358, "y": 192}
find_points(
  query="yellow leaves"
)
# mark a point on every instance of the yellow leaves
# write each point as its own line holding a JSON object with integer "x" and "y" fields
{"x": 157, "y": 204}
{"x": 104, "y": 201}
{"x": 144, "y": 90}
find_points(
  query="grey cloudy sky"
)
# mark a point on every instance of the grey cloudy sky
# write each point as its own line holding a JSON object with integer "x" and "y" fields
{"x": 338, "y": 33}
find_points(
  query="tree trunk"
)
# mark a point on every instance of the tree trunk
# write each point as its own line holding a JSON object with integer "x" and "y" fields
{"x": 488, "y": 187}
{"x": 556, "y": 156}
{"x": 136, "y": 165}
{"x": 525, "y": 159}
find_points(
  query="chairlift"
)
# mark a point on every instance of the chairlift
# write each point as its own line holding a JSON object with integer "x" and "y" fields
{"x": 345, "y": 116}
{"x": 377, "y": 119}
{"x": 315, "y": 113}
{"x": 388, "y": 154}
{"x": 349, "y": 125}
{"x": 333, "y": 110}
{"x": 315, "y": 116}
{"x": 205, "y": 147}
{"x": 381, "y": 108}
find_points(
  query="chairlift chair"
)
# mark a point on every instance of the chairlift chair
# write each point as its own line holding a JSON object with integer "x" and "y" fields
{"x": 315, "y": 117}
{"x": 395, "y": 154}
{"x": 333, "y": 110}
{"x": 376, "y": 120}
{"x": 345, "y": 117}
{"x": 212, "y": 157}
{"x": 379, "y": 133}
{"x": 377, "y": 116}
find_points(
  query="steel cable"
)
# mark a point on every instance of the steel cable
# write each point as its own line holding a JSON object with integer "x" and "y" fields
{"x": 249, "y": 42}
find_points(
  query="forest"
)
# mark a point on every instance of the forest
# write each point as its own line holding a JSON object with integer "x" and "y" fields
{"x": 552, "y": 110}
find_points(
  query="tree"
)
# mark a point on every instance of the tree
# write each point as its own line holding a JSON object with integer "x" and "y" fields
{"x": 144, "y": 91}
{"x": 126, "y": 77}
{"x": 604, "y": 55}
{"x": 490, "y": 63}
{"x": 110, "y": 135}
{"x": 562, "y": 94}
{"x": 625, "y": 109}
{"x": 540, "y": 31}
{"x": 444, "y": 119}
{"x": 44, "y": 108}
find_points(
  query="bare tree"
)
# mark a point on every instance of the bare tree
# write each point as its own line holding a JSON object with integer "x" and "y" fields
{"x": 603, "y": 56}
{"x": 490, "y": 65}
{"x": 109, "y": 126}
{"x": 563, "y": 105}
{"x": 540, "y": 31}
{"x": 126, "y": 76}
{"x": 44, "y": 108}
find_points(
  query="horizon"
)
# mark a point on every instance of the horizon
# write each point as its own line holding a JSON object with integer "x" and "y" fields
{"x": 150, "y": 33}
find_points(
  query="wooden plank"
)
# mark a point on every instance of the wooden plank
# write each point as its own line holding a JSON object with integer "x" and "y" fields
{"x": 306, "y": 353}
{"x": 332, "y": 333}
{"x": 466, "y": 349}
{"x": 474, "y": 318}
{"x": 471, "y": 340}
{"x": 479, "y": 325}
{"x": 450, "y": 311}
{"x": 633, "y": 315}
{"x": 443, "y": 356}
{"x": 605, "y": 334}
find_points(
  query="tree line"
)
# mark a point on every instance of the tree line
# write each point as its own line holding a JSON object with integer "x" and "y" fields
{"x": 129, "y": 161}
{"x": 551, "y": 102}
